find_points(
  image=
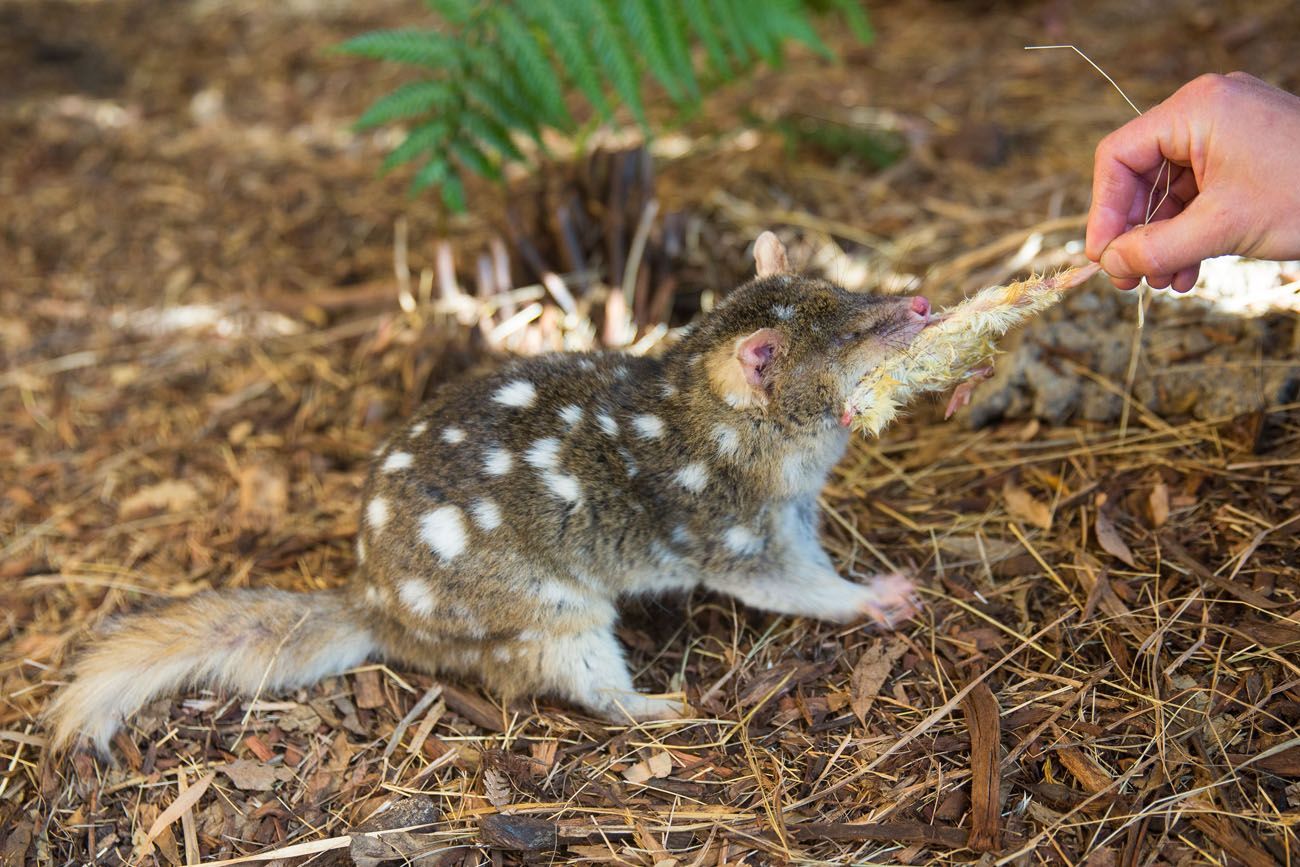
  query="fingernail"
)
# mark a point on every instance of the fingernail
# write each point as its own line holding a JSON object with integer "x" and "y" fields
{"x": 1113, "y": 263}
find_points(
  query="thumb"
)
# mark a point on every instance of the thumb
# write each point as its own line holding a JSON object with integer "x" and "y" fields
{"x": 1168, "y": 246}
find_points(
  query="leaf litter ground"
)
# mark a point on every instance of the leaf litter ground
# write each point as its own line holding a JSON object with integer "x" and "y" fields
{"x": 204, "y": 336}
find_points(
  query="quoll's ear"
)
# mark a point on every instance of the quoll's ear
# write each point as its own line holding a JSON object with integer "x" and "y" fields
{"x": 769, "y": 255}
{"x": 739, "y": 373}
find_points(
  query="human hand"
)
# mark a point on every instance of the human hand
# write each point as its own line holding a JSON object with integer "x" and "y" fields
{"x": 1233, "y": 146}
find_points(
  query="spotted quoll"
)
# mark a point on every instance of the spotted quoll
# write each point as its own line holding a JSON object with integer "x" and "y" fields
{"x": 501, "y": 525}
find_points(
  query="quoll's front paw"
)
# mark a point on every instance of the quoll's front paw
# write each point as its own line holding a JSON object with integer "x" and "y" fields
{"x": 637, "y": 707}
{"x": 891, "y": 599}
{"x": 961, "y": 395}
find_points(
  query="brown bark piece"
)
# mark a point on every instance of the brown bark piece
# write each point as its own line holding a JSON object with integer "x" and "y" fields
{"x": 367, "y": 690}
{"x": 985, "y": 724}
{"x": 1089, "y": 774}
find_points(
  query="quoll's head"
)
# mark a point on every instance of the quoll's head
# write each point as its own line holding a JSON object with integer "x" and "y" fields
{"x": 792, "y": 347}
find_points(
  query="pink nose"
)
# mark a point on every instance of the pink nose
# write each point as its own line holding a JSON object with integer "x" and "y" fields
{"x": 920, "y": 306}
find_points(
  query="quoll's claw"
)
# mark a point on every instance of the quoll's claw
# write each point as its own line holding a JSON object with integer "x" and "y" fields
{"x": 646, "y": 708}
{"x": 961, "y": 395}
{"x": 893, "y": 599}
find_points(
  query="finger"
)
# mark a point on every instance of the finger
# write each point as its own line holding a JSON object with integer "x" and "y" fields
{"x": 1116, "y": 190}
{"x": 1160, "y": 281}
{"x": 1168, "y": 246}
{"x": 1185, "y": 279}
{"x": 1130, "y": 154}
{"x": 1125, "y": 284}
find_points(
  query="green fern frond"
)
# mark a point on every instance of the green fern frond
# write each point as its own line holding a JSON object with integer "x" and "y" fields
{"x": 724, "y": 12}
{"x": 423, "y": 47}
{"x": 704, "y": 24}
{"x": 409, "y": 100}
{"x": 467, "y": 153}
{"x": 435, "y": 172}
{"x": 856, "y": 17}
{"x": 554, "y": 19}
{"x": 673, "y": 31}
{"x": 637, "y": 18}
{"x": 427, "y": 138}
{"x": 757, "y": 26}
{"x": 611, "y": 54}
{"x": 457, "y": 12}
{"x": 520, "y": 50}
{"x": 498, "y": 71}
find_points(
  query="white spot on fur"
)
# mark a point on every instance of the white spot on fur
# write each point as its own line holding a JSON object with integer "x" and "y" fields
{"x": 620, "y": 371}
{"x": 397, "y": 461}
{"x": 453, "y": 435}
{"x": 416, "y": 595}
{"x": 564, "y": 486}
{"x": 586, "y": 364}
{"x": 667, "y": 389}
{"x": 571, "y": 414}
{"x": 681, "y": 535}
{"x": 503, "y": 653}
{"x": 519, "y": 393}
{"x": 418, "y": 428}
{"x": 741, "y": 540}
{"x": 361, "y": 550}
{"x": 377, "y": 514}
{"x": 629, "y": 462}
{"x": 692, "y": 477}
{"x": 443, "y": 530}
{"x": 663, "y": 554}
{"x": 607, "y": 423}
{"x": 555, "y": 593}
{"x": 727, "y": 439}
{"x": 486, "y": 514}
{"x": 648, "y": 426}
{"x": 543, "y": 454}
{"x": 783, "y": 311}
{"x": 374, "y": 596}
{"x": 464, "y": 620}
{"x": 497, "y": 461}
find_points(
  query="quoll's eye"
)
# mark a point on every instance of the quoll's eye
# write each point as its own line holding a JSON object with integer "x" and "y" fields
{"x": 848, "y": 338}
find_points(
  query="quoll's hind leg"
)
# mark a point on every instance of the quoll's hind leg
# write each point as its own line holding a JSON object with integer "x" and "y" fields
{"x": 588, "y": 669}
{"x": 887, "y": 599}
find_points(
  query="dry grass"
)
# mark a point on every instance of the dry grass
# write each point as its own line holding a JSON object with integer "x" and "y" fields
{"x": 1105, "y": 667}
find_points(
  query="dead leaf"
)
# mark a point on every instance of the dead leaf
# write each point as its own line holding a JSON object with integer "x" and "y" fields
{"x": 497, "y": 787}
{"x": 254, "y": 776}
{"x": 657, "y": 766}
{"x": 661, "y": 764}
{"x": 367, "y": 690}
{"x": 1024, "y": 506}
{"x": 263, "y": 495}
{"x": 169, "y": 496}
{"x": 870, "y": 674}
{"x": 184, "y": 802}
{"x": 1158, "y": 501}
{"x": 1110, "y": 540}
{"x": 299, "y": 718}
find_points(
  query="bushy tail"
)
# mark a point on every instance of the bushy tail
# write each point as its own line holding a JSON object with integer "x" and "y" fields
{"x": 243, "y": 640}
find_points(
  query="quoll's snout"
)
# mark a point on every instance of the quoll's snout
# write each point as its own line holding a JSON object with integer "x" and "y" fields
{"x": 920, "y": 305}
